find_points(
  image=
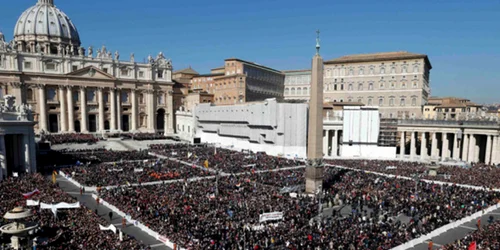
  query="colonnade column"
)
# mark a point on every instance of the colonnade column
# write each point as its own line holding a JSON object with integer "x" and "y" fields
{"x": 83, "y": 110}
{"x": 489, "y": 142}
{"x": 112, "y": 103}
{"x": 413, "y": 147}
{"x": 119, "y": 109}
{"x": 456, "y": 147}
{"x": 62, "y": 109}
{"x": 335, "y": 141}
{"x": 170, "y": 113}
{"x": 445, "y": 146}
{"x": 3, "y": 158}
{"x": 465, "y": 148}
{"x": 42, "y": 108}
{"x": 101, "y": 109}
{"x": 472, "y": 148}
{"x": 27, "y": 154}
{"x": 71, "y": 109}
{"x": 151, "y": 110}
{"x": 434, "y": 146}
{"x": 495, "y": 153}
{"x": 134, "y": 109}
{"x": 402, "y": 145}
{"x": 423, "y": 146}
{"x": 325, "y": 142}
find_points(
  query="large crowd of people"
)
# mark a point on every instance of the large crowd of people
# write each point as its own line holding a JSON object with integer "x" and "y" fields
{"x": 72, "y": 228}
{"x": 477, "y": 175}
{"x": 226, "y": 160}
{"x": 55, "y": 139}
{"x": 130, "y": 172}
{"x": 224, "y": 214}
{"x": 487, "y": 238}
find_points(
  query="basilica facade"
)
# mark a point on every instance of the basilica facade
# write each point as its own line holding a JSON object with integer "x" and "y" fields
{"x": 73, "y": 89}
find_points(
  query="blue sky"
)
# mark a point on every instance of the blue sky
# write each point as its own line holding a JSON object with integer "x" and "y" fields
{"x": 461, "y": 37}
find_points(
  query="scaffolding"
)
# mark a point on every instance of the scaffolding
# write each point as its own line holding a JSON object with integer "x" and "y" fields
{"x": 388, "y": 132}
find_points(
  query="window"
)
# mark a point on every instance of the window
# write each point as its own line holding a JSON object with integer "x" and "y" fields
{"x": 299, "y": 91}
{"x": 393, "y": 85}
{"x": 341, "y": 86}
{"x": 75, "y": 96}
{"x": 405, "y": 69}
{"x": 403, "y": 102}
{"x": 51, "y": 94}
{"x": 27, "y": 65}
{"x": 304, "y": 91}
{"x": 414, "y": 102}
{"x": 351, "y": 72}
{"x": 161, "y": 99}
{"x": 124, "y": 72}
{"x": 335, "y": 87}
{"x": 393, "y": 70}
{"x": 361, "y": 71}
{"x": 369, "y": 101}
{"x": 293, "y": 91}
{"x": 350, "y": 87}
{"x": 91, "y": 95}
{"x": 105, "y": 70}
{"x": 141, "y": 74}
{"x": 29, "y": 94}
{"x": 415, "y": 69}
{"x": 349, "y": 100}
{"x": 74, "y": 67}
{"x": 287, "y": 91}
{"x": 124, "y": 97}
{"x": 105, "y": 97}
{"x": 160, "y": 74}
{"x": 360, "y": 100}
{"x": 360, "y": 86}
{"x": 391, "y": 101}
{"x": 381, "y": 85}
{"x": 372, "y": 71}
{"x": 403, "y": 85}
{"x": 382, "y": 70}
{"x": 381, "y": 102}
{"x": 415, "y": 85}
{"x": 370, "y": 86}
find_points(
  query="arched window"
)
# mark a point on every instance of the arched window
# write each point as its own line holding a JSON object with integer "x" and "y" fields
{"x": 370, "y": 86}
{"x": 415, "y": 69}
{"x": 29, "y": 94}
{"x": 336, "y": 72}
{"x": 403, "y": 101}
{"x": 141, "y": 98}
{"x": 414, "y": 101}
{"x": 305, "y": 90}
{"x": 391, "y": 101}
{"x": 382, "y": 70}
{"x": 360, "y": 86}
{"x": 293, "y": 92}
{"x": 350, "y": 87}
{"x": 403, "y": 85}
{"x": 299, "y": 91}
{"x": 381, "y": 102}
{"x": 287, "y": 91}
{"x": 369, "y": 101}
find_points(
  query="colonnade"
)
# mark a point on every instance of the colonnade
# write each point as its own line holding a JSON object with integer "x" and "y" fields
{"x": 331, "y": 144}
{"x": 457, "y": 145}
{"x": 115, "y": 105}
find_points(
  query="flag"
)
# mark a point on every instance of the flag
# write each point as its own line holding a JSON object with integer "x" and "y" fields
{"x": 206, "y": 163}
{"x": 189, "y": 154}
{"x": 54, "y": 178}
{"x": 473, "y": 246}
{"x": 28, "y": 195}
{"x": 215, "y": 151}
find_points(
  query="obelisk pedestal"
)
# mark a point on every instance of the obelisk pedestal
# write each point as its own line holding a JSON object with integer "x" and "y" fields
{"x": 314, "y": 168}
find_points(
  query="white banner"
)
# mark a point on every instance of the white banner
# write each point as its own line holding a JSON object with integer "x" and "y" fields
{"x": 115, "y": 169}
{"x": 110, "y": 227}
{"x": 61, "y": 205}
{"x": 136, "y": 170}
{"x": 31, "y": 203}
{"x": 271, "y": 216}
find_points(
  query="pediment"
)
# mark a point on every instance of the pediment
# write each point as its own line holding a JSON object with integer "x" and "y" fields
{"x": 91, "y": 72}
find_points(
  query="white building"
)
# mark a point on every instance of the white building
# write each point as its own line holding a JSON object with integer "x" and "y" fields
{"x": 73, "y": 89}
{"x": 269, "y": 126}
{"x": 185, "y": 124}
{"x": 17, "y": 139}
{"x": 360, "y": 134}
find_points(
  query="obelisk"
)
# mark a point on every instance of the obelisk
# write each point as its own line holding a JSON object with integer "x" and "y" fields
{"x": 314, "y": 169}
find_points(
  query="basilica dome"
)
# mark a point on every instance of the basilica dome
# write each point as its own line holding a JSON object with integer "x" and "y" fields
{"x": 46, "y": 28}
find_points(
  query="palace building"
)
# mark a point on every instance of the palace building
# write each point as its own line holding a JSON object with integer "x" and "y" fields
{"x": 73, "y": 89}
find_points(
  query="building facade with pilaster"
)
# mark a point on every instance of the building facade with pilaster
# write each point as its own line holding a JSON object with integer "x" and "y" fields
{"x": 72, "y": 89}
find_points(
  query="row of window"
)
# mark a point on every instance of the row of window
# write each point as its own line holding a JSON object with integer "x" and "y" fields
{"x": 92, "y": 96}
{"x": 392, "y": 69}
{"x": 298, "y": 91}
{"x": 381, "y": 101}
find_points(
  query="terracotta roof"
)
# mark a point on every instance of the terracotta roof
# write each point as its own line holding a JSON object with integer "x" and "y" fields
{"x": 187, "y": 71}
{"x": 385, "y": 56}
{"x": 253, "y": 64}
{"x": 296, "y": 70}
{"x": 458, "y": 105}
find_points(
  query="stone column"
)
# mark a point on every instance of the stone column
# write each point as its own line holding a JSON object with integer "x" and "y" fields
{"x": 445, "y": 146}
{"x": 119, "y": 109}
{"x": 465, "y": 148}
{"x": 423, "y": 146}
{"x": 27, "y": 154}
{"x": 489, "y": 142}
{"x": 495, "y": 154}
{"x": 62, "y": 109}
{"x": 3, "y": 158}
{"x": 71, "y": 109}
{"x": 133, "y": 99}
{"x": 402, "y": 145}
{"x": 42, "y": 108}
{"x": 101, "y": 108}
{"x": 83, "y": 110}
{"x": 434, "y": 146}
{"x": 413, "y": 147}
{"x": 151, "y": 110}
{"x": 112, "y": 104}
{"x": 472, "y": 148}
{"x": 456, "y": 148}
{"x": 169, "y": 126}
{"x": 335, "y": 145}
{"x": 325, "y": 142}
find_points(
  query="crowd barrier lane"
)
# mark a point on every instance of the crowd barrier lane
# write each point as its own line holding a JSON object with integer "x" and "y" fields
{"x": 147, "y": 230}
{"x": 445, "y": 228}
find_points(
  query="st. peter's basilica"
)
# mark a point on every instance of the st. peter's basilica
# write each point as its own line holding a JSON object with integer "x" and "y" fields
{"x": 73, "y": 89}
